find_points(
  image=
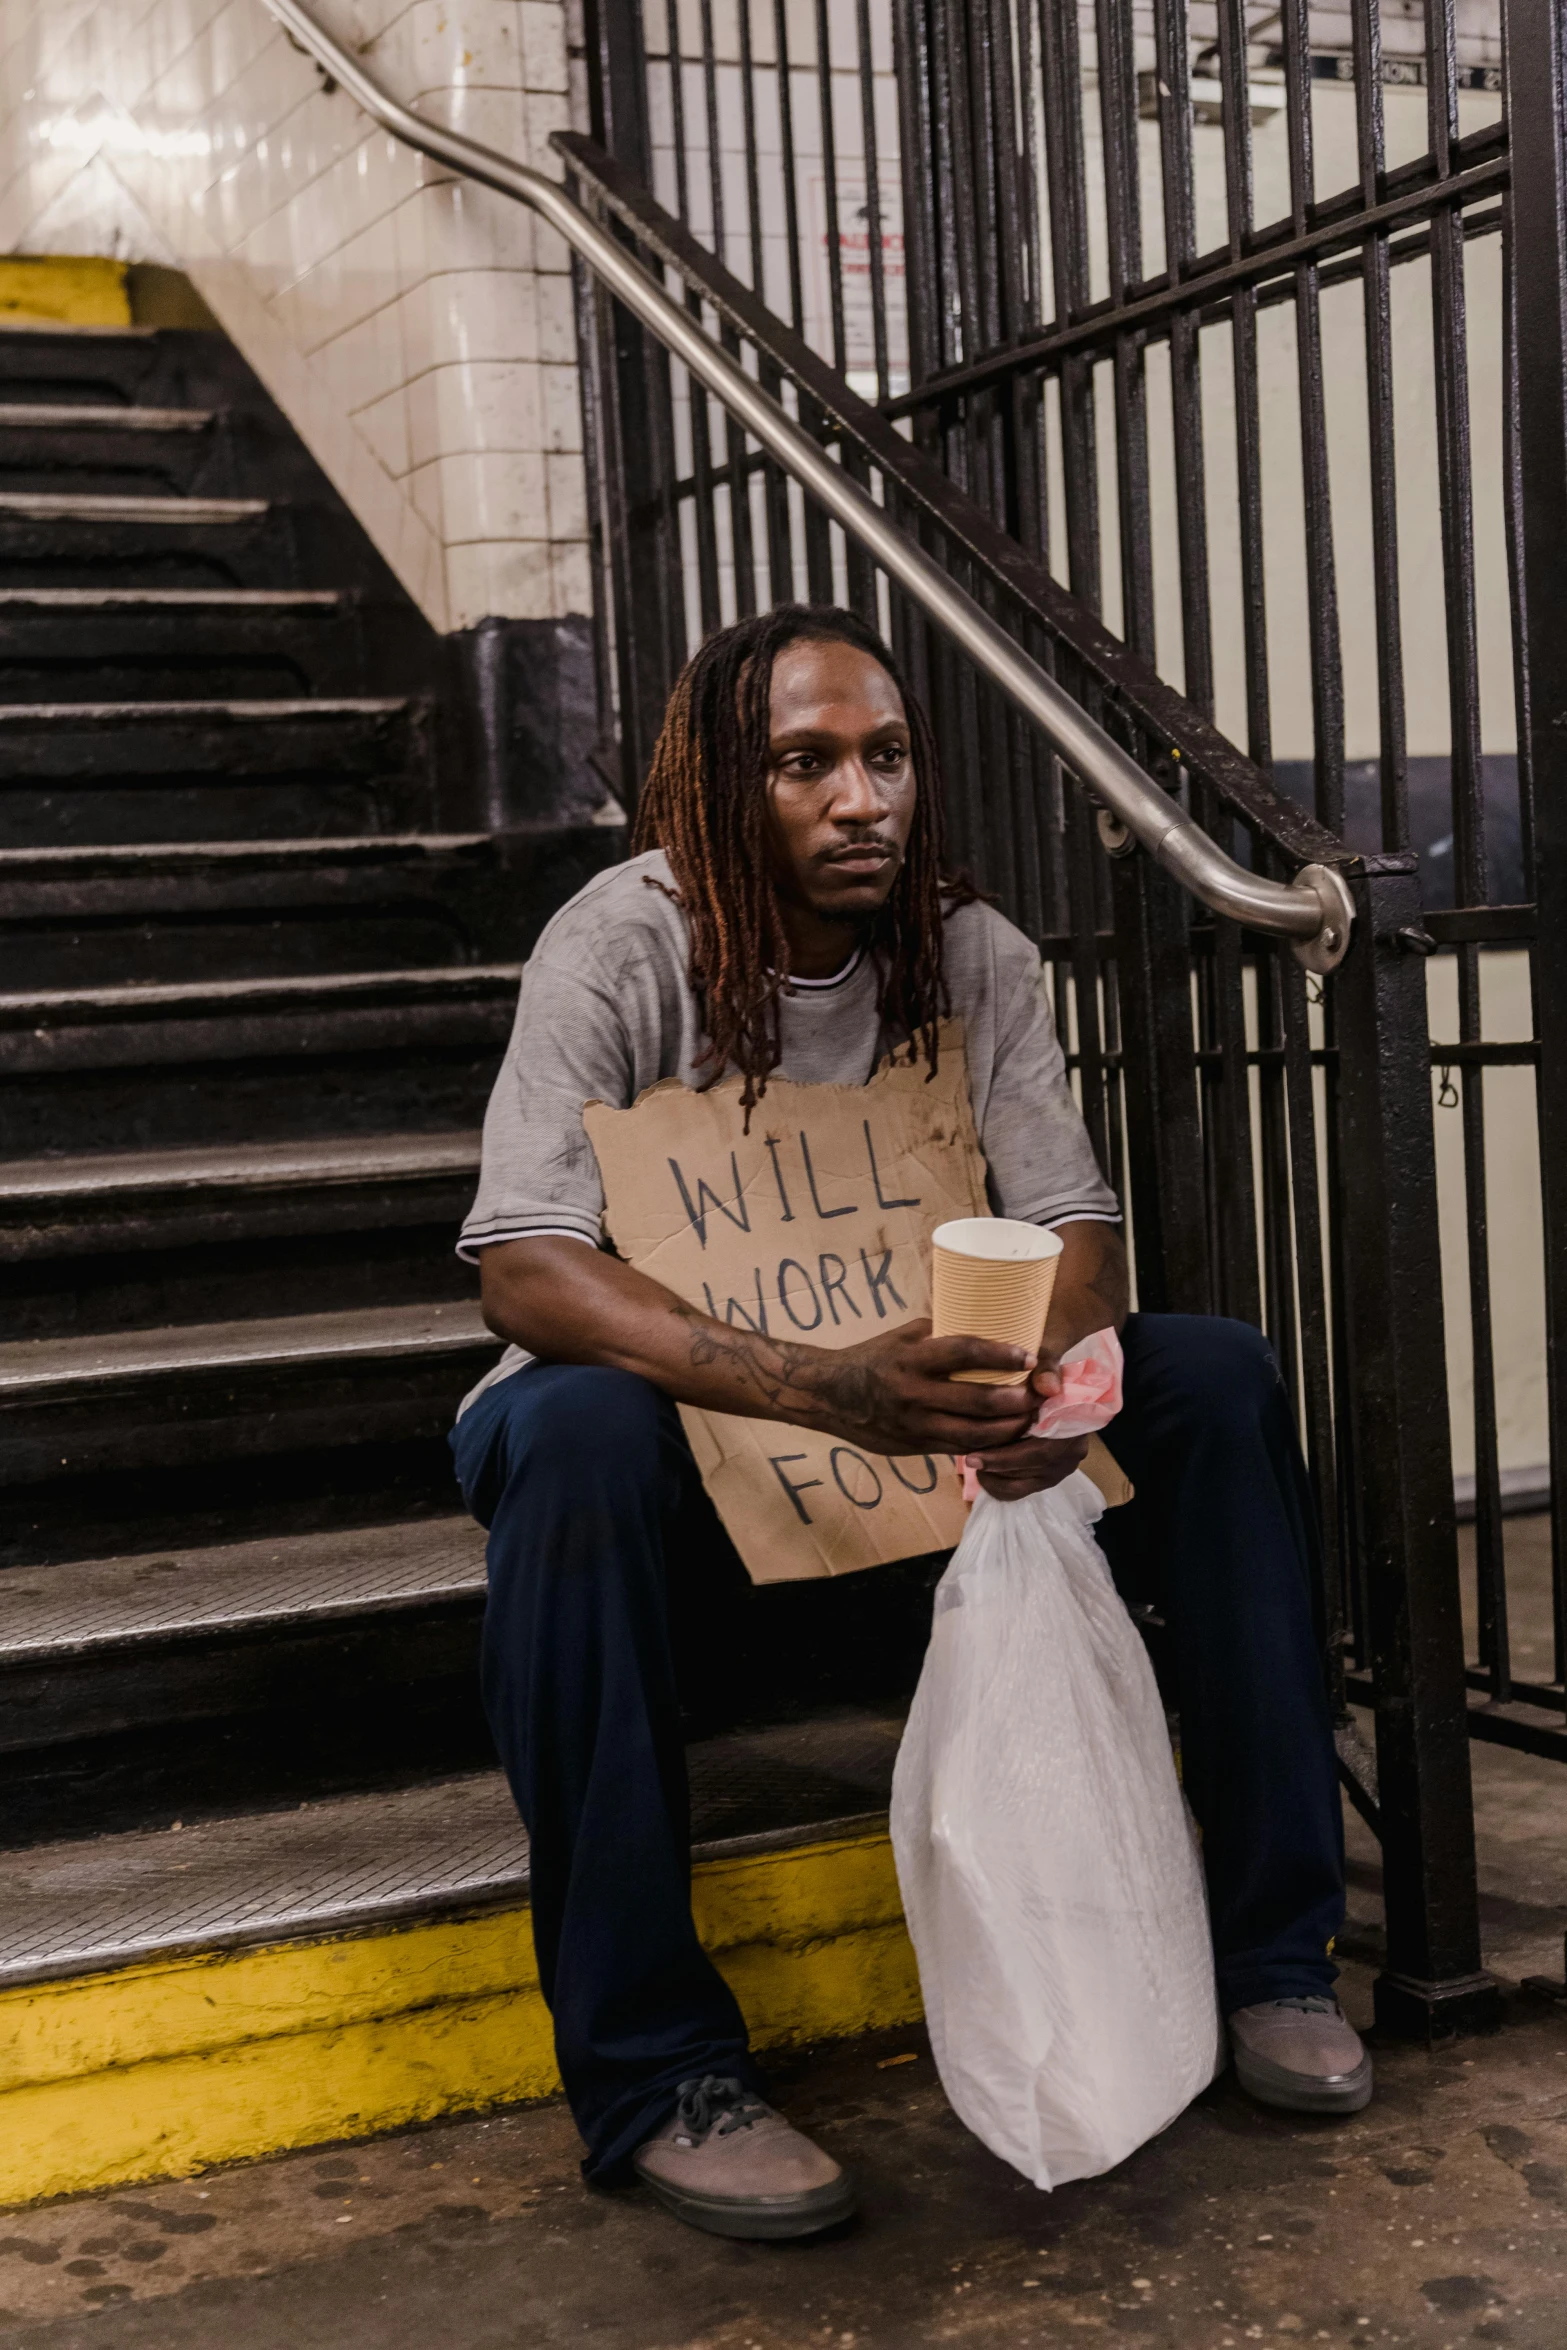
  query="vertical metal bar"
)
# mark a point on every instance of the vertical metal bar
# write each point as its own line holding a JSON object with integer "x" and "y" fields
{"x": 775, "y": 492}
{"x": 1366, "y": 28}
{"x": 1171, "y": 45}
{"x": 1455, "y": 489}
{"x": 1033, "y": 504}
{"x": 1311, "y": 1293}
{"x": 1243, "y": 362}
{"x": 1278, "y": 1241}
{"x": 830, "y": 181}
{"x": 696, "y": 398}
{"x": 818, "y": 545}
{"x": 1513, "y": 507}
{"x": 637, "y": 424}
{"x": 1123, "y": 221}
{"x": 870, "y": 147}
{"x": 1432, "y": 1982}
{"x": 861, "y": 571}
{"x": 1536, "y": 70}
{"x": 1227, "y": 1110}
{"x": 1163, "y": 1129}
{"x": 742, "y": 547}
{"x": 1060, "y": 52}
{"x": 1490, "y": 1538}
{"x": 1327, "y": 681}
{"x": 1082, "y": 900}
{"x": 917, "y": 167}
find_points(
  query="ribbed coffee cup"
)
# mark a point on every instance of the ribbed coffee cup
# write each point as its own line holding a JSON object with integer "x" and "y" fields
{"x": 992, "y": 1277}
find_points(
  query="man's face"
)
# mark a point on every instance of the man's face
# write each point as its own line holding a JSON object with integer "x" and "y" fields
{"x": 840, "y": 780}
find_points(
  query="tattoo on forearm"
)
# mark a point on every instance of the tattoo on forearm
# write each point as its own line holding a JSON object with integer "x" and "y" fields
{"x": 790, "y": 1378}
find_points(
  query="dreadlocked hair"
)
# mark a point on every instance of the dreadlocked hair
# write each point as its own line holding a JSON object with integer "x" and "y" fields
{"x": 705, "y": 805}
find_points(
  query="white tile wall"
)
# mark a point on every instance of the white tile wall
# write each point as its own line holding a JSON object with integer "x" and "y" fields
{"x": 417, "y": 331}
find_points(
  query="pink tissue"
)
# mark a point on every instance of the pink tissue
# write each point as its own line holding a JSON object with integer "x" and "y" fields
{"x": 1089, "y": 1399}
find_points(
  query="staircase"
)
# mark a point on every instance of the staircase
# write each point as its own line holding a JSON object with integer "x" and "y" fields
{"x": 257, "y": 967}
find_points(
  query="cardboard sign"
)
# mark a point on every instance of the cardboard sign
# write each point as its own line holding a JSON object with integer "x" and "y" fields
{"x": 813, "y": 1227}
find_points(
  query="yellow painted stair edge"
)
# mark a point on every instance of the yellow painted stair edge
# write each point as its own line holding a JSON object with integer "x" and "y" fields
{"x": 156, "y": 2071}
{"x": 67, "y": 290}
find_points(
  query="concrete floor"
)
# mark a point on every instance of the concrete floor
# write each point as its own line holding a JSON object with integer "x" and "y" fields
{"x": 1437, "y": 2219}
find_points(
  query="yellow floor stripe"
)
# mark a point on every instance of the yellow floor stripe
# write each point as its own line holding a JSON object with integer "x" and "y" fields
{"x": 69, "y": 290}
{"x": 155, "y": 2071}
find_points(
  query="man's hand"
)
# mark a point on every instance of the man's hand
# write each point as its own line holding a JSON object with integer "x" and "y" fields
{"x": 891, "y": 1394}
{"x": 1032, "y": 1465}
{"x": 894, "y": 1393}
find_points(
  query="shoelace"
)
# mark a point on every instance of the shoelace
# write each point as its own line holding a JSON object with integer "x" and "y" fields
{"x": 1314, "y": 2005}
{"x": 715, "y": 2101}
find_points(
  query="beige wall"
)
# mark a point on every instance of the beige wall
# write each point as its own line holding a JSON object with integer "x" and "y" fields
{"x": 418, "y": 332}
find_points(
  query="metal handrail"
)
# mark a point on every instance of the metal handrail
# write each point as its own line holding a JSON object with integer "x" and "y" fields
{"x": 1314, "y": 911}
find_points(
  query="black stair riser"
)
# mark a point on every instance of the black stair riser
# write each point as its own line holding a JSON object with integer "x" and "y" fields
{"x": 175, "y": 653}
{"x": 120, "y": 462}
{"x": 144, "y": 371}
{"x": 49, "y": 1232}
{"x": 292, "y": 1273}
{"x": 369, "y": 744}
{"x": 230, "y": 947}
{"x": 166, "y": 1419}
{"x": 296, "y": 805}
{"x": 107, "y": 1038}
{"x": 217, "y": 1677}
{"x": 259, "y": 551}
{"x": 405, "y": 1090}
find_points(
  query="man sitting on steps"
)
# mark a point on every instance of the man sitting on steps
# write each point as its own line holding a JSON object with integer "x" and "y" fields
{"x": 787, "y": 912}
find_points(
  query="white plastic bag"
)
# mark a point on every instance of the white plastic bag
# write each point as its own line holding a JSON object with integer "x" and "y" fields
{"x": 1049, "y": 1871}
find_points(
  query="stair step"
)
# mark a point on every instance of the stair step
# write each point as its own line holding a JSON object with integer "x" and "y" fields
{"x": 67, "y": 741}
{"x": 222, "y": 1390}
{"x": 84, "y": 416}
{"x": 106, "y": 1027}
{"x": 66, "y": 1370}
{"x": 111, "y": 772}
{"x": 124, "y": 1187}
{"x": 90, "y": 1608}
{"x": 412, "y": 1852}
{"x": 182, "y": 1066}
{"x": 142, "y": 599}
{"x": 170, "y": 911}
{"x": 128, "y": 643}
{"x": 324, "y": 1868}
{"x": 129, "y": 863}
{"x": 191, "y": 1236}
{"x": 94, "y": 506}
{"x": 200, "y": 544}
{"x": 93, "y": 1647}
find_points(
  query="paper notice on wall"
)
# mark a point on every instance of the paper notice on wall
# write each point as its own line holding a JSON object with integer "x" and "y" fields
{"x": 814, "y": 1227}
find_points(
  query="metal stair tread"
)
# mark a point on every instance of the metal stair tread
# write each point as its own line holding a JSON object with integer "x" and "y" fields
{"x": 33, "y": 1370}
{"x": 49, "y": 1615}
{"x": 255, "y": 994}
{"x": 96, "y": 506}
{"x": 370, "y": 1158}
{"x": 372, "y": 848}
{"x": 164, "y": 713}
{"x": 68, "y": 416}
{"x": 197, "y": 599}
{"x": 398, "y": 1855}
{"x": 69, "y": 330}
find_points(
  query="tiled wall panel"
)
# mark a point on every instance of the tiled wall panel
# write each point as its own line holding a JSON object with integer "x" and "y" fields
{"x": 417, "y": 331}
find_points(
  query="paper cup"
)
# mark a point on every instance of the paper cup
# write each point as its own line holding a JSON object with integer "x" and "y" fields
{"x": 991, "y": 1278}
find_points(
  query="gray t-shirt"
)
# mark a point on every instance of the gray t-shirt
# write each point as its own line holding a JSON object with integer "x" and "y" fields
{"x": 606, "y": 1010}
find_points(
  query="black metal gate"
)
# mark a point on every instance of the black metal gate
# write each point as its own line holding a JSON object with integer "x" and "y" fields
{"x": 1146, "y": 317}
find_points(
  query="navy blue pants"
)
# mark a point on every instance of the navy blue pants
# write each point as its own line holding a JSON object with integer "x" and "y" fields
{"x": 605, "y": 1554}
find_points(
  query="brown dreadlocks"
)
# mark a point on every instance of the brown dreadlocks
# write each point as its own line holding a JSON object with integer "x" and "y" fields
{"x": 705, "y": 805}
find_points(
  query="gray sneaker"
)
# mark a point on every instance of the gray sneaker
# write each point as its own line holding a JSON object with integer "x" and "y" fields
{"x": 726, "y": 2162}
{"x": 1301, "y": 2054}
